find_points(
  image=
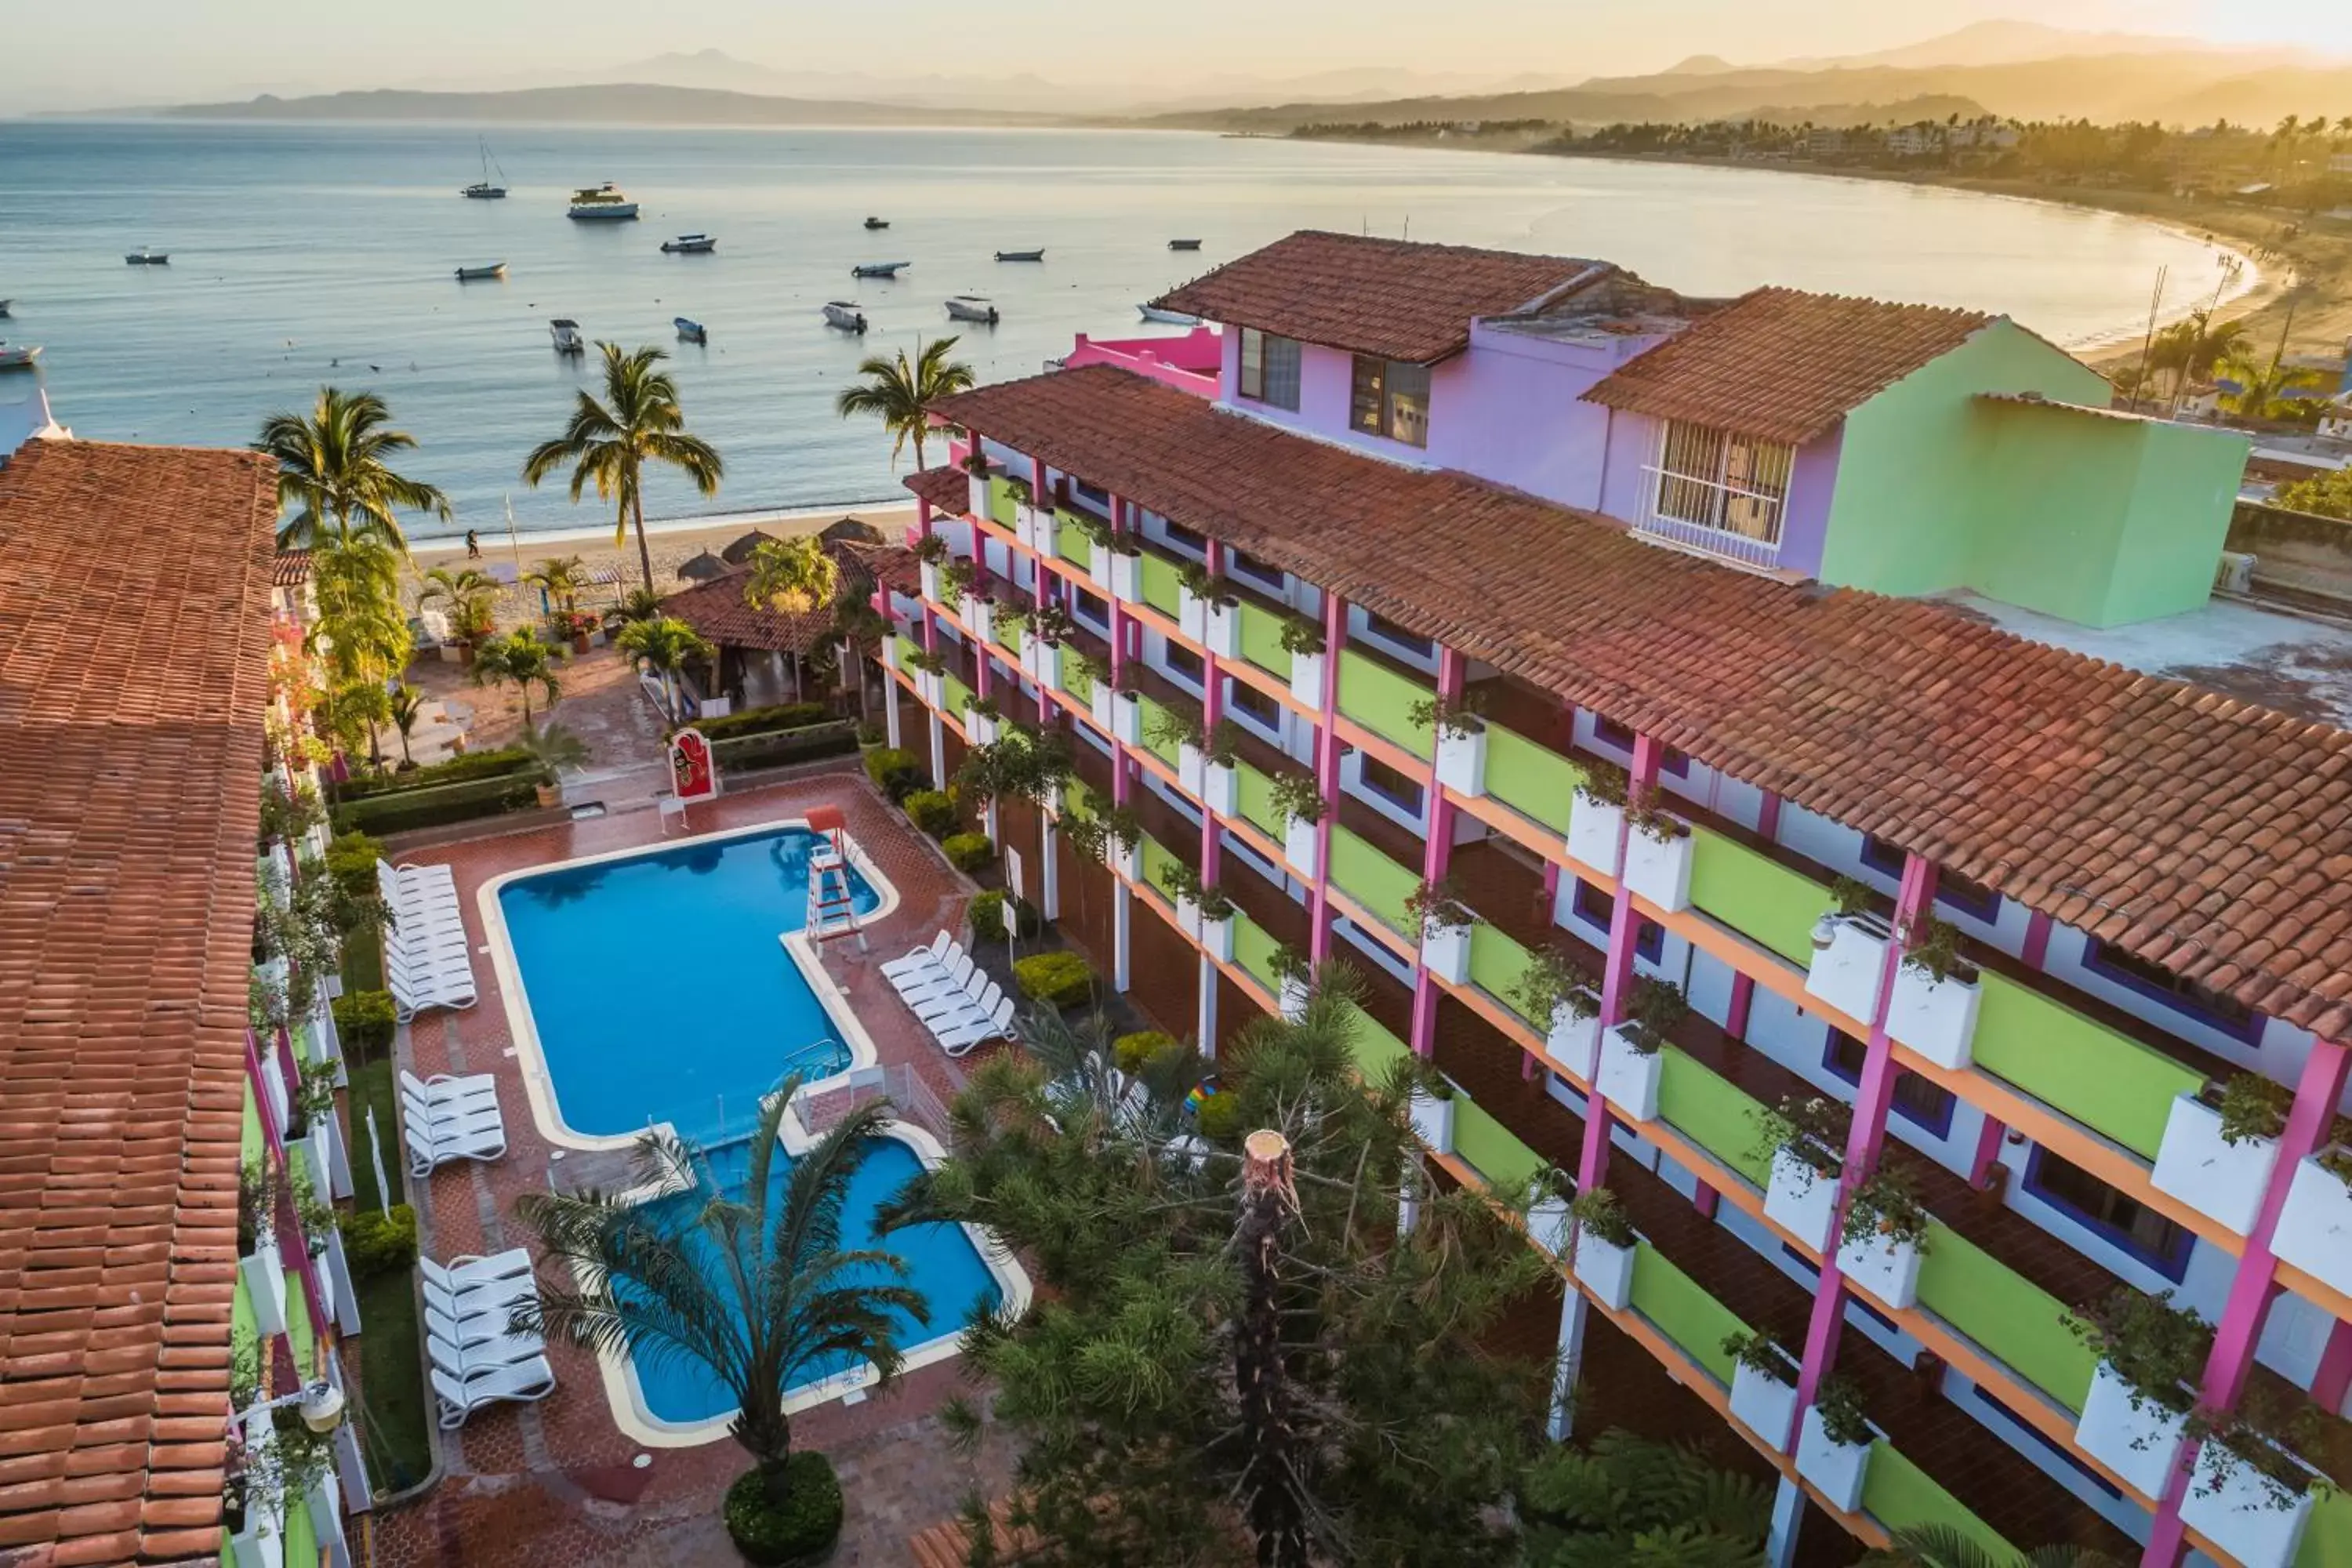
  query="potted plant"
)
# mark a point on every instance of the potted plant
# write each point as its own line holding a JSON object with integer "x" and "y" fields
{"x": 2137, "y": 1414}
{"x": 931, "y": 556}
{"x": 1293, "y": 979}
{"x": 1555, "y": 993}
{"x": 1123, "y": 557}
{"x": 1432, "y": 1108}
{"x": 1596, "y": 816}
{"x": 1208, "y": 610}
{"x": 1460, "y": 730}
{"x": 1217, "y": 924}
{"x": 1302, "y": 639}
{"x": 577, "y": 627}
{"x": 1091, "y": 672}
{"x": 1178, "y": 724}
{"x": 1886, "y": 1235}
{"x": 1028, "y": 517}
{"x": 554, "y": 748}
{"x": 973, "y": 602}
{"x": 1185, "y": 892}
{"x": 1604, "y": 1247}
{"x": 1110, "y": 834}
{"x": 980, "y": 717}
{"x": 1933, "y": 1007}
{"x": 1126, "y": 711}
{"x": 930, "y": 678}
{"x": 1763, "y": 1386}
{"x": 1833, "y": 1446}
{"x": 1041, "y": 651}
{"x": 1657, "y": 855}
{"x": 2315, "y": 1227}
{"x": 1443, "y": 920}
{"x": 1220, "y": 785}
{"x": 1804, "y": 1137}
{"x": 1849, "y": 953}
{"x": 975, "y": 468}
{"x": 1630, "y": 1068}
{"x": 2248, "y": 1493}
{"x": 1550, "y": 1222}
{"x": 2220, "y": 1145}
{"x": 1008, "y": 626}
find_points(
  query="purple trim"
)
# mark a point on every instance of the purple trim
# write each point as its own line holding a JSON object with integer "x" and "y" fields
{"x": 1940, "y": 1125}
{"x": 2049, "y": 1444}
{"x": 2248, "y": 1029}
{"x": 1598, "y": 910}
{"x": 1675, "y": 766}
{"x": 1887, "y": 861}
{"x": 2174, "y": 1268}
{"x": 1415, "y": 805}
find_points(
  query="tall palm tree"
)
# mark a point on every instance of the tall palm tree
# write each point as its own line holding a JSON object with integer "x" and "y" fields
{"x": 2192, "y": 347}
{"x": 407, "y": 707}
{"x": 2269, "y": 389}
{"x": 610, "y": 443}
{"x": 898, "y": 392}
{"x": 792, "y": 577}
{"x": 757, "y": 1289}
{"x": 521, "y": 660}
{"x": 666, "y": 645}
{"x": 332, "y": 470}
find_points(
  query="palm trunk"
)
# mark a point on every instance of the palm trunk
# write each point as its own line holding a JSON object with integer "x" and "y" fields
{"x": 1269, "y": 1484}
{"x": 644, "y": 553}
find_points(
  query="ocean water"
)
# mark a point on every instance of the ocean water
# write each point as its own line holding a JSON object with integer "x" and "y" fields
{"x": 311, "y": 254}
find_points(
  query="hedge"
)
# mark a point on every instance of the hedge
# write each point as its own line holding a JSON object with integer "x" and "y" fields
{"x": 895, "y": 772}
{"x": 1056, "y": 979}
{"x": 376, "y": 1243}
{"x": 968, "y": 851}
{"x": 1132, "y": 1051}
{"x": 987, "y": 915}
{"x": 932, "y": 810}
{"x": 774, "y": 748}
{"x": 365, "y": 1020}
{"x": 496, "y": 764}
{"x": 351, "y": 861}
{"x": 803, "y": 1530}
{"x": 407, "y": 809}
{"x": 763, "y": 720}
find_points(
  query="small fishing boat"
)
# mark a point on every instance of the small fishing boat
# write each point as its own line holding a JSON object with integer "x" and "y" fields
{"x": 1168, "y": 318}
{"x": 1020, "y": 255}
{"x": 146, "y": 256}
{"x": 601, "y": 203}
{"x": 689, "y": 330}
{"x": 20, "y": 357}
{"x": 844, "y": 314}
{"x": 878, "y": 269}
{"x": 1183, "y": 244}
{"x": 566, "y": 333}
{"x": 4, "y": 306}
{"x": 484, "y": 189}
{"x": 690, "y": 245}
{"x": 878, "y": 222}
{"x": 972, "y": 307}
{"x": 487, "y": 270}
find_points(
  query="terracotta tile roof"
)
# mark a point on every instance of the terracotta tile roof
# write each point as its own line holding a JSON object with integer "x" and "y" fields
{"x": 135, "y": 634}
{"x": 2209, "y": 835}
{"x": 717, "y": 608}
{"x": 947, "y": 488}
{"x": 1784, "y": 364}
{"x": 291, "y": 569}
{"x": 1386, "y": 296}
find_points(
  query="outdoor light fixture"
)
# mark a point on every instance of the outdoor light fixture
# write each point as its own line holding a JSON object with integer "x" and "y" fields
{"x": 1824, "y": 932}
{"x": 321, "y": 1406}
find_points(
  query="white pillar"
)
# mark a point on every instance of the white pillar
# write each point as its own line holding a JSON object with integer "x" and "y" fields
{"x": 992, "y": 824}
{"x": 1207, "y": 1022}
{"x": 1788, "y": 1513}
{"x": 939, "y": 752}
{"x": 1049, "y": 874}
{"x": 1122, "y": 918}
{"x": 1570, "y": 1361}
{"x": 890, "y": 712}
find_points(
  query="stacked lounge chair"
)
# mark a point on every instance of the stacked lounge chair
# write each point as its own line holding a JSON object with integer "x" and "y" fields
{"x": 444, "y": 1118}
{"x": 961, "y": 1007}
{"x": 477, "y": 1357}
{"x": 426, "y": 962}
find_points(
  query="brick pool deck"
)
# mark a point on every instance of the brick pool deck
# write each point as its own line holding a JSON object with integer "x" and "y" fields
{"x": 554, "y": 1482}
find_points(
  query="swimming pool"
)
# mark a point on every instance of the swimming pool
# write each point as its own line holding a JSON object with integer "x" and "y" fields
{"x": 657, "y": 987}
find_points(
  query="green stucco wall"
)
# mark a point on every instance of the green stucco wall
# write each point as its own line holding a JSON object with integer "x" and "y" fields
{"x": 1071, "y": 543}
{"x": 1718, "y": 1117}
{"x": 1367, "y": 875}
{"x": 1682, "y": 1312}
{"x": 2101, "y": 1079}
{"x": 1161, "y": 585}
{"x": 1254, "y": 950}
{"x": 1381, "y": 700}
{"x": 1262, "y": 640}
{"x": 1896, "y": 1493}
{"x": 1755, "y": 894}
{"x": 2327, "y": 1538}
{"x": 1253, "y": 792}
{"x": 1377, "y": 1050}
{"x": 1534, "y": 781}
{"x": 1153, "y": 718}
{"x": 1486, "y": 1143}
{"x": 1497, "y": 965}
{"x": 2006, "y": 1313}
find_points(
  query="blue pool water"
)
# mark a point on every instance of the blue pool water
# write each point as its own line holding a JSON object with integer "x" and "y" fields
{"x": 659, "y": 989}
{"x": 944, "y": 1266}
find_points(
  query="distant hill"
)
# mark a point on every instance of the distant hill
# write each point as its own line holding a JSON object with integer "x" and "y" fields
{"x": 625, "y": 104}
{"x": 2012, "y": 42}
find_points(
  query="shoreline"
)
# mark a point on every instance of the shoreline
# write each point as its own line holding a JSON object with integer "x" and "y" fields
{"x": 729, "y": 524}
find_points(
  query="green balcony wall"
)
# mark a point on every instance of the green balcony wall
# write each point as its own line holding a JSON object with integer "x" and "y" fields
{"x": 2327, "y": 1538}
{"x": 1377, "y": 1050}
{"x": 1497, "y": 964}
{"x": 999, "y": 501}
{"x": 2104, "y": 1080}
{"x": 1366, "y": 874}
{"x": 1532, "y": 780}
{"x": 298, "y": 1332}
{"x": 1071, "y": 543}
{"x": 1487, "y": 1144}
{"x": 907, "y": 650}
{"x": 1154, "y": 719}
{"x": 1685, "y": 1313}
{"x": 1897, "y": 1493}
{"x": 2006, "y": 1313}
{"x": 1381, "y": 700}
{"x": 1262, "y": 640}
{"x": 1254, "y": 793}
{"x": 1254, "y": 950}
{"x": 1155, "y": 856}
{"x": 250, "y": 1143}
{"x": 1713, "y": 1113}
{"x": 1075, "y": 680}
{"x": 1756, "y": 895}
{"x": 1160, "y": 584}
{"x": 957, "y": 694}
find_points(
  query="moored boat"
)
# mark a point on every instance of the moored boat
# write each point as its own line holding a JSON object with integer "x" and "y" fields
{"x": 877, "y": 268}
{"x": 692, "y": 244}
{"x": 489, "y": 270}
{"x": 690, "y": 331}
{"x": 566, "y": 333}
{"x": 1168, "y": 318}
{"x": 1183, "y": 244}
{"x": 844, "y": 314}
{"x": 19, "y": 356}
{"x": 147, "y": 256}
{"x": 4, "y": 306}
{"x": 1038, "y": 255}
{"x": 972, "y": 308}
{"x": 878, "y": 222}
{"x": 487, "y": 189}
{"x": 601, "y": 203}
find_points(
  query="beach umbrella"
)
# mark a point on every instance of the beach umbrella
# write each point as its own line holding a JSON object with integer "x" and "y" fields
{"x": 703, "y": 568}
{"x": 743, "y": 549}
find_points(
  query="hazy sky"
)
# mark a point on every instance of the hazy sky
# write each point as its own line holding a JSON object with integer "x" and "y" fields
{"x": 55, "y": 53}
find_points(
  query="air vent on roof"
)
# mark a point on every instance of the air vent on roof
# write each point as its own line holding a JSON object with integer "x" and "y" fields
{"x": 2234, "y": 572}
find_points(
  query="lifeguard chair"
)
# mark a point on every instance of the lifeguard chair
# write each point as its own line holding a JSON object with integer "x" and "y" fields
{"x": 832, "y": 902}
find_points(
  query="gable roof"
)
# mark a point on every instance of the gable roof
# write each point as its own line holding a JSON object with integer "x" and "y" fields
{"x": 717, "y": 610}
{"x": 2212, "y": 835}
{"x": 132, "y": 685}
{"x": 1393, "y": 297}
{"x": 1784, "y": 364}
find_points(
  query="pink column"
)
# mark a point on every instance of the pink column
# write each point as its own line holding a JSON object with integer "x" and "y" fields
{"x": 2232, "y": 1358}
{"x": 1327, "y": 777}
{"x": 925, "y": 527}
{"x": 1743, "y": 999}
{"x": 1987, "y": 1154}
{"x": 1213, "y": 709}
{"x": 1617, "y": 969}
{"x": 2035, "y": 953}
{"x": 2333, "y": 1381}
{"x": 1435, "y": 855}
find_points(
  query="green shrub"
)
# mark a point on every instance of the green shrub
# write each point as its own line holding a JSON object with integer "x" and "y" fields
{"x": 405, "y": 810}
{"x": 896, "y": 771}
{"x": 968, "y": 851}
{"x": 364, "y": 1019}
{"x": 774, "y": 748}
{"x": 472, "y": 766}
{"x": 377, "y": 1243}
{"x": 1219, "y": 1119}
{"x": 350, "y": 861}
{"x": 1054, "y": 979}
{"x": 763, "y": 720}
{"x": 1131, "y": 1052}
{"x": 801, "y": 1531}
{"x": 987, "y": 914}
{"x": 931, "y": 811}
{"x": 871, "y": 733}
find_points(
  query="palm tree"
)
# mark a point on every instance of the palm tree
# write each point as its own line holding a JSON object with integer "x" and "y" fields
{"x": 610, "y": 443}
{"x": 2192, "y": 348}
{"x": 666, "y": 645}
{"x": 1947, "y": 1546}
{"x": 470, "y": 594}
{"x": 561, "y": 579}
{"x": 756, "y": 1290}
{"x": 521, "y": 660}
{"x": 859, "y": 626}
{"x": 792, "y": 577}
{"x": 2269, "y": 390}
{"x": 553, "y": 747}
{"x": 900, "y": 392}
{"x": 407, "y": 705}
{"x": 331, "y": 469}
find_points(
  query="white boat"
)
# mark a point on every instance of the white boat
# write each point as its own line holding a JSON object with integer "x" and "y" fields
{"x": 19, "y": 358}
{"x": 146, "y": 256}
{"x": 476, "y": 274}
{"x": 972, "y": 307}
{"x": 878, "y": 269}
{"x": 690, "y": 331}
{"x": 484, "y": 189}
{"x": 844, "y": 314}
{"x": 603, "y": 203}
{"x": 692, "y": 244}
{"x": 1169, "y": 317}
{"x": 566, "y": 333}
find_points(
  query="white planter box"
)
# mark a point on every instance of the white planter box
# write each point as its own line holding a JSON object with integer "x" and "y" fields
{"x": 1800, "y": 1200}
{"x": 1446, "y": 953}
{"x": 2226, "y": 1180}
{"x": 1936, "y": 1018}
{"x": 931, "y": 590}
{"x": 2137, "y": 1445}
{"x": 1127, "y": 578}
{"x": 1220, "y": 788}
{"x": 1307, "y": 680}
{"x": 1024, "y": 525}
{"x": 1126, "y": 859}
{"x": 980, "y": 727}
{"x": 1550, "y": 1225}
{"x": 1595, "y": 832}
{"x": 1887, "y": 1269}
{"x": 1127, "y": 718}
{"x": 931, "y": 687}
{"x": 1191, "y": 618}
{"x": 2243, "y": 1511}
{"x": 1433, "y": 1121}
{"x": 2315, "y": 1227}
{"x": 1845, "y": 974}
{"x": 1045, "y": 532}
{"x": 1764, "y": 1404}
{"x": 1188, "y": 918}
{"x": 1188, "y": 768}
{"x": 1298, "y": 841}
{"x": 1628, "y": 1079}
{"x": 1217, "y": 936}
{"x": 1607, "y": 1272}
{"x": 980, "y": 616}
{"x": 977, "y": 487}
{"x": 1836, "y": 1470}
{"x": 1099, "y": 704}
{"x": 1574, "y": 1042}
{"x": 889, "y": 653}
{"x": 265, "y": 1278}
{"x": 1098, "y": 560}
{"x": 1659, "y": 869}
{"x": 1221, "y": 633}
{"x": 1042, "y": 660}
{"x": 1461, "y": 762}
{"x": 1293, "y": 999}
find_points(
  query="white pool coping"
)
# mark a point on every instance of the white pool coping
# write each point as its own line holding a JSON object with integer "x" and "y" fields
{"x": 623, "y": 1390}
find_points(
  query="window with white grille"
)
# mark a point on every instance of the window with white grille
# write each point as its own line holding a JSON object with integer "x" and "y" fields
{"x": 1720, "y": 490}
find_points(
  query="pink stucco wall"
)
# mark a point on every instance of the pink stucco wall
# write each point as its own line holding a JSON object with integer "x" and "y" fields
{"x": 1191, "y": 363}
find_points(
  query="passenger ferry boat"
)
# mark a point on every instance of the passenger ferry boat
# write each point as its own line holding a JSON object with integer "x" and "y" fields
{"x": 603, "y": 203}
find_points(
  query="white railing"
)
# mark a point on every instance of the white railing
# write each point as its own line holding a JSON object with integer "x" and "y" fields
{"x": 818, "y": 1110}
{"x": 1718, "y": 491}
{"x": 1714, "y": 501}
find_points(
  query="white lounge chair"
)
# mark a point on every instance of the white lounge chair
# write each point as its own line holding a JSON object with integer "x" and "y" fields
{"x": 958, "y": 1041}
{"x": 498, "y": 1350}
{"x": 459, "y": 1397}
{"x": 935, "y": 956}
{"x": 428, "y": 1149}
{"x": 442, "y": 1126}
{"x": 958, "y": 974}
{"x": 476, "y": 1329}
{"x": 443, "y": 1085}
{"x": 495, "y": 1299}
{"x": 963, "y": 1006}
{"x": 476, "y": 1270}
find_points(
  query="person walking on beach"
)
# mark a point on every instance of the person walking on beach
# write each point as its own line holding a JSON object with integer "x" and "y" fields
{"x": 472, "y": 545}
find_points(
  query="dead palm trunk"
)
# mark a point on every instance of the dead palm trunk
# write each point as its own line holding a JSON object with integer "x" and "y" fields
{"x": 1269, "y": 1488}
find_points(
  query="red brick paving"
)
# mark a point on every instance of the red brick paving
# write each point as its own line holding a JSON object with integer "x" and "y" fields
{"x": 522, "y": 1484}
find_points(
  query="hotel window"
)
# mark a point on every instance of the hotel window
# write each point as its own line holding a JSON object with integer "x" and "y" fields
{"x": 2121, "y": 1218}
{"x": 1391, "y": 785}
{"x": 1249, "y": 699}
{"x": 2182, "y": 995}
{"x": 1597, "y": 909}
{"x": 1184, "y": 661}
{"x": 1258, "y": 571}
{"x": 1952, "y": 891}
{"x": 1609, "y": 732}
{"x": 1916, "y": 1098}
{"x": 1392, "y": 399}
{"x": 1090, "y": 606}
{"x": 1180, "y": 534}
{"x": 1720, "y": 483}
{"x": 1269, "y": 369}
{"x": 1388, "y": 631}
